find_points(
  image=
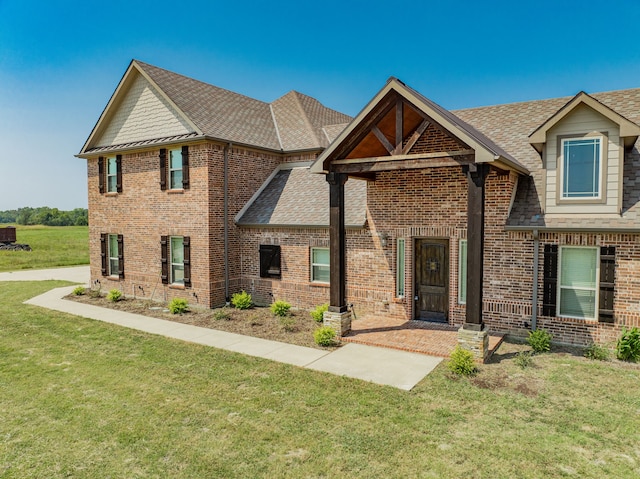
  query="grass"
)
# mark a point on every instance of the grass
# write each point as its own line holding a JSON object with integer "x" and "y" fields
{"x": 80, "y": 398}
{"x": 52, "y": 246}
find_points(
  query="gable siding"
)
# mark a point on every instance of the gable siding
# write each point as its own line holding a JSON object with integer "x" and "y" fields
{"x": 143, "y": 115}
{"x": 583, "y": 120}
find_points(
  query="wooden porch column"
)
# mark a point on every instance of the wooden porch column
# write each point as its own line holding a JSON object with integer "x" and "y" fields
{"x": 337, "y": 246}
{"x": 476, "y": 175}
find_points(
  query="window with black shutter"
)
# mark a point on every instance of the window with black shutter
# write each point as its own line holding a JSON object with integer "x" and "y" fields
{"x": 121, "y": 256}
{"x": 185, "y": 167}
{"x": 119, "y": 173}
{"x": 607, "y": 283}
{"x": 270, "y": 261}
{"x": 550, "y": 280}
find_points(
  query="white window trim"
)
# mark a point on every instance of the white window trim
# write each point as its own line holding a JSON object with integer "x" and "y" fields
{"x": 461, "y": 279}
{"x": 112, "y": 175}
{"x": 400, "y": 267}
{"x": 171, "y": 263}
{"x": 170, "y": 170}
{"x": 317, "y": 264}
{"x": 110, "y": 271}
{"x": 596, "y": 288}
{"x": 600, "y": 168}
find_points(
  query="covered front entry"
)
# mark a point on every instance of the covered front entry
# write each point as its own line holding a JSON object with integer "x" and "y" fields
{"x": 432, "y": 280}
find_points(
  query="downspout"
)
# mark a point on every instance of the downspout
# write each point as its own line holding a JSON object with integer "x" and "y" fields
{"x": 536, "y": 257}
{"x": 226, "y": 221}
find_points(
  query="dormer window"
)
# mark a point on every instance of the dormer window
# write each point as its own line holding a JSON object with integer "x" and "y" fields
{"x": 581, "y": 168}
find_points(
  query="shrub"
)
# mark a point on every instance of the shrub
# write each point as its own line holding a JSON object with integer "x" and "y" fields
{"x": 325, "y": 336}
{"x": 628, "y": 346}
{"x": 114, "y": 295}
{"x": 524, "y": 359}
{"x": 288, "y": 323}
{"x": 540, "y": 340}
{"x": 462, "y": 363}
{"x": 318, "y": 313}
{"x": 178, "y": 306}
{"x": 241, "y": 300}
{"x": 79, "y": 290}
{"x": 595, "y": 351}
{"x": 221, "y": 314}
{"x": 280, "y": 308}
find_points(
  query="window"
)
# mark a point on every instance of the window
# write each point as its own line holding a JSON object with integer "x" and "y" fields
{"x": 175, "y": 169}
{"x": 112, "y": 175}
{"x": 581, "y": 169}
{"x": 462, "y": 272}
{"x": 112, "y": 254}
{"x": 400, "y": 268}
{"x": 176, "y": 260}
{"x": 578, "y": 282}
{"x": 269, "y": 261}
{"x": 320, "y": 265}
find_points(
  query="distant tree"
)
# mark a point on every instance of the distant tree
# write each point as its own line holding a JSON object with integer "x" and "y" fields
{"x": 46, "y": 216}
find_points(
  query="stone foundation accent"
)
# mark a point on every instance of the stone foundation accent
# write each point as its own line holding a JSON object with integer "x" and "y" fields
{"x": 477, "y": 342}
{"x": 340, "y": 322}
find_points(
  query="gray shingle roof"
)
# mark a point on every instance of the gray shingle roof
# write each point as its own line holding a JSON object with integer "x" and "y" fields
{"x": 297, "y": 197}
{"x": 292, "y": 122}
{"x": 510, "y": 126}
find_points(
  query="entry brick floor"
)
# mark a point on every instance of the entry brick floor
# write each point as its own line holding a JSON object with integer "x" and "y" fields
{"x": 416, "y": 336}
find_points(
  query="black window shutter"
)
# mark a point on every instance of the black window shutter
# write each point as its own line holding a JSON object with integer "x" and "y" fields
{"x": 185, "y": 167}
{"x": 163, "y": 168}
{"x": 121, "y": 256}
{"x": 103, "y": 252}
{"x": 119, "y": 173}
{"x": 270, "y": 261}
{"x": 164, "y": 251}
{"x": 550, "y": 283}
{"x": 186, "y": 251}
{"x": 607, "y": 283}
{"x": 101, "y": 178}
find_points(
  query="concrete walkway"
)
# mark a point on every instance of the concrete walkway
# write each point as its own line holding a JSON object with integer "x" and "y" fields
{"x": 75, "y": 274}
{"x": 389, "y": 367}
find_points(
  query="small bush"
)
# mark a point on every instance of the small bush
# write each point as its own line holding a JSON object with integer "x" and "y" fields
{"x": 288, "y": 323}
{"x": 114, "y": 295}
{"x": 178, "y": 306}
{"x": 221, "y": 314}
{"x": 628, "y": 346}
{"x": 325, "y": 336}
{"x": 597, "y": 352}
{"x": 462, "y": 363}
{"x": 524, "y": 359}
{"x": 280, "y": 308}
{"x": 540, "y": 340}
{"x": 95, "y": 293}
{"x": 79, "y": 290}
{"x": 318, "y": 313}
{"x": 241, "y": 300}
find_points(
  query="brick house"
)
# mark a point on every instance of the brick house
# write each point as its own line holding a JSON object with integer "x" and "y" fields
{"x": 504, "y": 217}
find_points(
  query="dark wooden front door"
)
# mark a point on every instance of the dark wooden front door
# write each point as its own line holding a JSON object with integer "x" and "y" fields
{"x": 432, "y": 280}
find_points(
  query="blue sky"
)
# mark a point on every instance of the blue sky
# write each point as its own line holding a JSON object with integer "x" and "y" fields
{"x": 61, "y": 61}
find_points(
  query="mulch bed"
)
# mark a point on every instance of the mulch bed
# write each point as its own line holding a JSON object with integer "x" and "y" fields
{"x": 297, "y": 328}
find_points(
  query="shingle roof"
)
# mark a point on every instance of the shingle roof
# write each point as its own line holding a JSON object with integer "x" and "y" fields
{"x": 292, "y": 122}
{"x": 510, "y": 126}
{"x": 294, "y": 197}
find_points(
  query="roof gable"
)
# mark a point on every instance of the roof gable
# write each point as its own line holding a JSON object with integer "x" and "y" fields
{"x": 372, "y": 119}
{"x": 628, "y": 130}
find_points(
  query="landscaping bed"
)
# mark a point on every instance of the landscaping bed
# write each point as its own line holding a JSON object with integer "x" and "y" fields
{"x": 295, "y": 328}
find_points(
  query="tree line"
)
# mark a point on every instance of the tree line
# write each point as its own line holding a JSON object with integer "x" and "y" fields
{"x": 46, "y": 216}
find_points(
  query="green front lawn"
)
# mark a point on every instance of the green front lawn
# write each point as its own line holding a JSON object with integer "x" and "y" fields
{"x": 52, "y": 246}
{"x": 80, "y": 398}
